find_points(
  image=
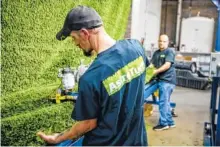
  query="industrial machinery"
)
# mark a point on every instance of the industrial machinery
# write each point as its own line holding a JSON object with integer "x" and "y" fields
{"x": 70, "y": 77}
{"x": 212, "y": 128}
{"x": 186, "y": 65}
{"x": 189, "y": 75}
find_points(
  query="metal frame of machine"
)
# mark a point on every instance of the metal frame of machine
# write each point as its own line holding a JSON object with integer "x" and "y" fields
{"x": 212, "y": 128}
{"x": 148, "y": 90}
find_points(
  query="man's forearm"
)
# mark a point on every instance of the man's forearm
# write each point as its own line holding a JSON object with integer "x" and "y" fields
{"x": 77, "y": 130}
{"x": 68, "y": 134}
{"x": 163, "y": 68}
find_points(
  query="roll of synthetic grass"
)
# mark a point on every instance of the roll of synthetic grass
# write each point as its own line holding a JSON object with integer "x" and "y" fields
{"x": 31, "y": 57}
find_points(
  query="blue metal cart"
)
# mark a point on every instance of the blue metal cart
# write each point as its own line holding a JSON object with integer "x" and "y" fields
{"x": 212, "y": 128}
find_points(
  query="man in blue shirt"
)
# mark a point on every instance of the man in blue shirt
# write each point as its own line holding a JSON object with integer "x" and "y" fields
{"x": 163, "y": 60}
{"x": 109, "y": 107}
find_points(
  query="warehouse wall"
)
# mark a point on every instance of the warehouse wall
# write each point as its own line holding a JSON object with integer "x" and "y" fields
{"x": 169, "y": 11}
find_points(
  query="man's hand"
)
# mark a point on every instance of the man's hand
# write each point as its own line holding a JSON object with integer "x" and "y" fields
{"x": 75, "y": 131}
{"x": 155, "y": 72}
{"x": 50, "y": 139}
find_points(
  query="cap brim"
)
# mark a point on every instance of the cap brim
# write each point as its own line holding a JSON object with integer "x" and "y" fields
{"x": 63, "y": 34}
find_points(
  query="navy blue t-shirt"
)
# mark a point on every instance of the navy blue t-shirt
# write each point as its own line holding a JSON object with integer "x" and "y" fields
{"x": 112, "y": 90}
{"x": 159, "y": 58}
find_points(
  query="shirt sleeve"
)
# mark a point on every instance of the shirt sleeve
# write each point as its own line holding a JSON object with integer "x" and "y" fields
{"x": 170, "y": 57}
{"x": 147, "y": 62}
{"x": 153, "y": 58}
{"x": 86, "y": 106}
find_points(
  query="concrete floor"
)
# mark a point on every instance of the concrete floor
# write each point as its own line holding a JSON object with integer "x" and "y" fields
{"x": 192, "y": 109}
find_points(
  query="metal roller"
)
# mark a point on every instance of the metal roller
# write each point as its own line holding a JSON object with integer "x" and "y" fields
{"x": 188, "y": 65}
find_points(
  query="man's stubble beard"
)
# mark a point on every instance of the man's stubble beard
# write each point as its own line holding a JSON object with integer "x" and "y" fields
{"x": 87, "y": 53}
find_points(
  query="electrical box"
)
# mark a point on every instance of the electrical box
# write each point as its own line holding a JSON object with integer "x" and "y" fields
{"x": 214, "y": 64}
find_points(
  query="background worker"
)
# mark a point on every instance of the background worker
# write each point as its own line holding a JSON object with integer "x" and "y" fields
{"x": 109, "y": 107}
{"x": 163, "y": 60}
{"x": 154, "y": 94}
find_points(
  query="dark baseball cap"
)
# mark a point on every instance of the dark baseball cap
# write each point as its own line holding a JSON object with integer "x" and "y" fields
{"x": 78, "y": 18}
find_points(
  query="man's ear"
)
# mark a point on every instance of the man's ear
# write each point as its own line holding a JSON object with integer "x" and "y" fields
{"x": 84, "y": 33}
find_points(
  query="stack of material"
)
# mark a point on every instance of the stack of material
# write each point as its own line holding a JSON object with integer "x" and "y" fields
{"x": 186, "y": 78}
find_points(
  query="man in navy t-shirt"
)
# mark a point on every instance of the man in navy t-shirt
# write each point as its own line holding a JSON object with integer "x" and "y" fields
{"x": 163, "y": 60}
{"x": 109, "y": 107}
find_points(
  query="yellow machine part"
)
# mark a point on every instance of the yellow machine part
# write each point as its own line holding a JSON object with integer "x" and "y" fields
{"x": 58, "y": 98}
{"x": 156, "y": 93}
{"x": 148, "y": 110}
{"x": 65, "y": 97}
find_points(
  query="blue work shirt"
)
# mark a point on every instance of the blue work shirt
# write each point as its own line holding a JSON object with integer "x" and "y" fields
{"x": 112, "y": 90}
{"x": 159, "y": 58}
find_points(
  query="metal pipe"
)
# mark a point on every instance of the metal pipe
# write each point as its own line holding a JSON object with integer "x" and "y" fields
{"x": 179, "y": 15}
{"x": 190, "y": 8}
{"x": 218, "y": 71}
{"x": 165, "y": 18}
{"x": 217, "y": 43}
{"x": 217, "y": 140}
